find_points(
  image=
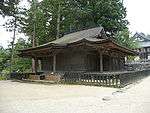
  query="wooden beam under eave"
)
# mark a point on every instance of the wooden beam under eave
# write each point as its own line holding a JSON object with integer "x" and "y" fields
{"x": 39, "y": 54}
{"x": 122, "y": 49}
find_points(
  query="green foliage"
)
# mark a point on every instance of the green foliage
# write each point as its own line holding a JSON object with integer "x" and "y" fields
{"x": 13, "y": 22}
{"x": 124, "y": 39}
{"x": 41, "y": 29}
{"x": 4, "y": 57}
{"x": 12, "y": 25}
{"x": 4, "y": 75}
{"x": 7, "y": 6}
{"x": 75, "y": 15}
{"x": 19, "y": 64}
{"x": 108, "y": 13}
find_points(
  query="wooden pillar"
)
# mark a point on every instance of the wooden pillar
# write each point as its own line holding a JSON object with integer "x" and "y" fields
{"x": 120, "y": 63}
{"x": 112, "y": 66}
{"x": 110, "y": 63}
{"x": 114, "y": 63}
{"x": 54, "y": 63}
{"x": 101, "y": 61}
{"x": 39, "y": 65}
{"x": 34, "y": 64}
{"x": 117, "y": 63}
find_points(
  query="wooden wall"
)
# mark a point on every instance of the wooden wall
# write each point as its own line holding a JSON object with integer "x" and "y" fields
{"x": 47, "y": 63}
{"x": 82, "y": 61}
{"x": 92, "y": 62}
{"x": 70, "y": 61}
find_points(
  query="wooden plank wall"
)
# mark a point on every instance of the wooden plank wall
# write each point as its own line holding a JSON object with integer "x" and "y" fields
{"x": 82, "y": 61}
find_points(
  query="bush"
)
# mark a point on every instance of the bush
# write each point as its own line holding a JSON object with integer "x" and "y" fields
{"x": 4, "y": 75}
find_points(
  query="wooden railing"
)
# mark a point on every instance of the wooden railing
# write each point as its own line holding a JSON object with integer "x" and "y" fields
{"x": 109, "y": 79}
{"x": 98, "y": 79}
{"x": 130, "y": 77}
{"x": 141, "y": 61}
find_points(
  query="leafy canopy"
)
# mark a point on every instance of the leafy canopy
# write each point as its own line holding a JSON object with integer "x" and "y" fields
{"x": 125, "y": 39}
{"x": 7, "y": 7}
{"x": 19, "y": 64}
{"x": 75, "y": 15}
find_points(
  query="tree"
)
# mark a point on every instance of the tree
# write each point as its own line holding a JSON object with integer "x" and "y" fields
{"x": 11, "y": 25}
{"x": 20, "y": 64}
{"x": 11, "y": 9}
{"x": 125, "y": 39}
{"x": 108, "y": 13}
{"x": 6, "y": 7}
{"x": 57, "y": 17}
{"x": 30, "y": 26}
{"x": 4, "y": 58}
{"x": 33, "y": 24}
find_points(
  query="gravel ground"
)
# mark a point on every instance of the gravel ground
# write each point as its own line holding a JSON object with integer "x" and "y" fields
{"x": 18, "y": 97}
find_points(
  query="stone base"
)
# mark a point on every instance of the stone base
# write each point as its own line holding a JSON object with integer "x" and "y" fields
{"x": 34, "y": 77}
{"x": 52, "y": 78}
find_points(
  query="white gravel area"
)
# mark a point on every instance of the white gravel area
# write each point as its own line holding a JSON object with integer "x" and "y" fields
{"x": 18, "y": 97}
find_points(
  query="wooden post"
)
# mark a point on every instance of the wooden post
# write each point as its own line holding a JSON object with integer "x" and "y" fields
{"x": 119, "y": 63}
{"x": 113, "y": 64}
{"x": 54, "y": 63}
{"x": 34, "y": 65}
{"x": 58, "y": 21}
{"x": 40, "y": 65}
{"x": 101, "y": 61}
{"x": 110, "y": 63}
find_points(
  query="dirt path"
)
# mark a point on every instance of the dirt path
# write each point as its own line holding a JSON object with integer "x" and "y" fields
{"x": 18, "y": 97}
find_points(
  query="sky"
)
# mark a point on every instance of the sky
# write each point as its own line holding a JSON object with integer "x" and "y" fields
{"x": 138, "y": 14}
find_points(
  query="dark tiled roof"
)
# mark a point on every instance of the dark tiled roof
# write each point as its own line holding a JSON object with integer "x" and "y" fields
{"x": 89, "y": 34}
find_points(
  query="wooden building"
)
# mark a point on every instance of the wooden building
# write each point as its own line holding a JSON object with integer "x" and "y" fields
{"x": 88, "y": 50}
{"x": 144, "y": 46}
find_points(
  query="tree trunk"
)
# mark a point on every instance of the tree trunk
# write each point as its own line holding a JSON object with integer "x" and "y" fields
{"x": 34, "y": 38}
{"x": 12, "y": 43}
{"x": 58, "y": 22}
